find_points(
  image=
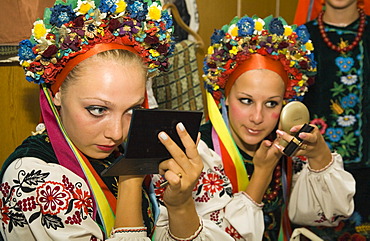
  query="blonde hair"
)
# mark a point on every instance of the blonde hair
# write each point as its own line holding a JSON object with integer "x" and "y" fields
{"x": 120, "y": 56}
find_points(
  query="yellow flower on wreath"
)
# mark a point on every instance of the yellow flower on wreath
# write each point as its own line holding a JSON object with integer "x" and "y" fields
{"x": 39, "y": 30}
{"x": 154, "y": 12}
{"x": 121, "y": 6}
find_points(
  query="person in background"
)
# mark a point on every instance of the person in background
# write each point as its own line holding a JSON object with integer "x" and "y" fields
{"x": 249, "y": 190}
{"x": 339, "y": 101}
{"x": 91, "y": 60}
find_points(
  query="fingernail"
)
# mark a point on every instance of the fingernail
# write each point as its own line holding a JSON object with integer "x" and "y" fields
{"x": 163, "y": 136}
{"x": 302, "y": 135}
{"x": 277, "y": 146}
{"x": 181, "y": 126}
{"x": 279, "y": 132}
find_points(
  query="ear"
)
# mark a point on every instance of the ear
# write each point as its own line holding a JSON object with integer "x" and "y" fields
{"x": 57, "y": 99}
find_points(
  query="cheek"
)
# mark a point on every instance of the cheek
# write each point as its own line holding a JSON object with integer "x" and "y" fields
{"x": 275, "y": 115}
{"x": 236, "y": 113}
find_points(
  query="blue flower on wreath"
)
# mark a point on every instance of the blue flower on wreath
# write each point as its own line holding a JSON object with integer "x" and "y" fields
{"x": 108, "y": 6}
{"x": 276, "y": 27}
{"x": 349, "y": 101}
{"x": 245, "y": 26}
{"x": 303, "y": 34}
{"x": 217, "y": 35}
{"x": 138, "y": 10}
{"x": 166, "y": 18}
{"x": 61, "y": 14}
{"x": 344, "y": 63}
{"x": 334, "y": 134}
{"x": 25, "y": 50}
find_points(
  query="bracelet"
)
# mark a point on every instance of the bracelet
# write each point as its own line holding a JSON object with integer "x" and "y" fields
{"x": 322, "y": 169}
{"x": 192, "y": 237}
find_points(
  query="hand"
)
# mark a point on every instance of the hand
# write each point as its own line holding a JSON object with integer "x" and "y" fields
{"x": 313, "y": 146}
{"x": 182, "y": 170}
{"x": 267, "y": 156}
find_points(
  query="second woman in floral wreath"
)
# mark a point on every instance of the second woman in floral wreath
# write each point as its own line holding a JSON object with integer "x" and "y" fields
{"x": 249, "y": 190}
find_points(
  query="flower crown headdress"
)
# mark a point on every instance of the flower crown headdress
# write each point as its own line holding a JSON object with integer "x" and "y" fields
{"x": 72, "y": 27}
{"x": 236, "y": 42}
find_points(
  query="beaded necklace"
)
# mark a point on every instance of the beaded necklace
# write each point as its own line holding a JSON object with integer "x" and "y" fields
{"x": 342, "y": 47}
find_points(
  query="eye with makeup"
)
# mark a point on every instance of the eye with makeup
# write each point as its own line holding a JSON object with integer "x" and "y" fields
{"x": 130, "y": 111}
{"x": 272, "y": 104}
{"x": 96, "y": 111}
{"x": 246, "y": 101}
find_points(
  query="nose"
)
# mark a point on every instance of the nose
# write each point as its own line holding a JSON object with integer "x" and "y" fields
{"x": 116, "y": 129}
{"x": 256, "y": 116}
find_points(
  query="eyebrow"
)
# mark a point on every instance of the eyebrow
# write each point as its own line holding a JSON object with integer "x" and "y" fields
{"x": 271, "y": 97}
{"x": 108, "y": 103}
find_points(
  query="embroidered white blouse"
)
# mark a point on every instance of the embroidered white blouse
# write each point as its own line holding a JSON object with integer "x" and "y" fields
{"x": 46, "y": 201}
{"x": 318, "y": 198}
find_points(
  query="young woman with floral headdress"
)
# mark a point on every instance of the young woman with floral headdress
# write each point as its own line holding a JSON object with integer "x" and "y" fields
{"x": 249, "y": 190}
{"x": 91, "y": 59}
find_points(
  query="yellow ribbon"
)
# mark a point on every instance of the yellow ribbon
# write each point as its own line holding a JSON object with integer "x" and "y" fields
{"x": 104, "y": 209}
{"x": 224, "y": 134}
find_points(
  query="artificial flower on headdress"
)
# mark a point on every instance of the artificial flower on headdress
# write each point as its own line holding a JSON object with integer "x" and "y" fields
{"x": 72, "y": 27}
{"x": 273, "y": 37}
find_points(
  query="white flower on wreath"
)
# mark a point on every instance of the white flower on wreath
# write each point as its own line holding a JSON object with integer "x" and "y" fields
{"x": 233, "y": 30}
{"x": 346, "y": 120}
{"x": 258, "y": 26}
{"x": 83, "y": 7}
{"x": 39, "y": 31}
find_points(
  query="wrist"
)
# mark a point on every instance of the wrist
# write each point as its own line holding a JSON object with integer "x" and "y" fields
{"x": 182, "y": 208}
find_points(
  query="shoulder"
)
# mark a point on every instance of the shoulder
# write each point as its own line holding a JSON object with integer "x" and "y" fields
{"x": 43, "y": 198}
{"x": 37, "y": 146}
{"x": 206, "y": 134}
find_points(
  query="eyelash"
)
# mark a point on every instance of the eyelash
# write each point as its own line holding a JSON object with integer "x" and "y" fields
{"x": 101, "y": 109}
{"x": 91, "y": 109}
{"x": 271, "y": 102}
{"x": 134, "y": 108}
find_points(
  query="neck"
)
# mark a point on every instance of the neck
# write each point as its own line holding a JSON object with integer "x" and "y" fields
{"x": 341, "y": 17}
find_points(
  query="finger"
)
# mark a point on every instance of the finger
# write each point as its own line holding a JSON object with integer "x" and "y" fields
{"x": 178, "y": 155}
{"x": 172, "y": 179}
{"x": 198, "y": 139}
{"x": 170, "y": 165}
{"x": 187, "y": 141}
{"x": 283, "y": 135}
{"x": 310, "y": 137}
{"x": 193, "y": 164}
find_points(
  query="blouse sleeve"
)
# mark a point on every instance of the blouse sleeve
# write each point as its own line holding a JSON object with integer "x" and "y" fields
{"x": 46, "y": 201}
{"x": 322, "y": 198}
{"x": 223, "y": 215}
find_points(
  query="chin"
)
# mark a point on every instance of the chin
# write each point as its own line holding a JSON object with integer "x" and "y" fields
{"x": 97, "y": 155}
{"x": 253, "y": 140}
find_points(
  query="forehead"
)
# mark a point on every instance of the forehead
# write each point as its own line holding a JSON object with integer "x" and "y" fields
{"x": 108, "y": 78}
{"x": 260, "y": 80}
